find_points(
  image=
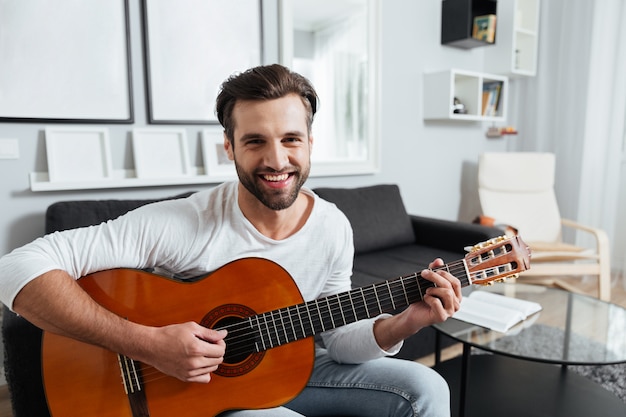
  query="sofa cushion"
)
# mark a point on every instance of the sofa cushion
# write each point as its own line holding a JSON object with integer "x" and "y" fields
{"x": 377, "y": 214}
{"x": 65, "y": 215}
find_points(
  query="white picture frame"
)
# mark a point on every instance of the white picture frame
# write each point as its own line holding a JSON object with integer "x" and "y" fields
{"x": 65, "y": 61}
{"x": 216, "y": 162}
{"x": 161, "y": 153}
{"x": 186, "y": 66}
{"x": 78, "y": 154}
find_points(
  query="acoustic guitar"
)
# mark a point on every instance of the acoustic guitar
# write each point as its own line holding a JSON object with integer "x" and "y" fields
{"x": 270, "y": 351}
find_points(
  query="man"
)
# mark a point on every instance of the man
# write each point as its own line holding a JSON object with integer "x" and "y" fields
{"x": 267, "y": 113}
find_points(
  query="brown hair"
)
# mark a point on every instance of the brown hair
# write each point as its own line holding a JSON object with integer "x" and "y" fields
{"x": 263, "y": 83}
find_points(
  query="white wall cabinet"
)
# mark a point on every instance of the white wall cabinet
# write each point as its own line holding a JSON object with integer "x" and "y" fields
{"x": 517, "y": 34}
{"x": 441, "y": 88}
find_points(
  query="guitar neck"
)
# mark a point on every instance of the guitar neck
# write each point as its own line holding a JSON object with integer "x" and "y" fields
{"x": 286, "y": 325}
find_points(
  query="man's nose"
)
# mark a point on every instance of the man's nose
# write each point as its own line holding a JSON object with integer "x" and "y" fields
{"x": 276, "y": 156}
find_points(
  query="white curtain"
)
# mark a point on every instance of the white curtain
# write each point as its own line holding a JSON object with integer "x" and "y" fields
{"x": 576, "y": 106}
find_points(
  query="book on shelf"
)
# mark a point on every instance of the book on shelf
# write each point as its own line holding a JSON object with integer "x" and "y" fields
{"x": 484, "y": 28}
{"x": 494, "y": 311}
{"x": 492, "y": 91}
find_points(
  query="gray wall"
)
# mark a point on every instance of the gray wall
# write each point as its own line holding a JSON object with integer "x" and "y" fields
{"x": 433, "y": 163}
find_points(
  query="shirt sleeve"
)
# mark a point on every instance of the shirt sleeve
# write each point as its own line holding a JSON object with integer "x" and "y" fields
{"x": 355, "y": 343}
{"x": 146, "y": 237}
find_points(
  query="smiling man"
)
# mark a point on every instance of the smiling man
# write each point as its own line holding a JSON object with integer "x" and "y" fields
{"x": 267, "y": 114}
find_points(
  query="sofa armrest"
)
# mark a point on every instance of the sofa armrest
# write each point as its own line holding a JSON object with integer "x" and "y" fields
{"x": 450, "y": 235}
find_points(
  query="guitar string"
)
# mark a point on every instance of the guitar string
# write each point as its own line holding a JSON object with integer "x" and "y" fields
{"x": 240, "y": 344}
{"x": 327, "y": 313}
{"x": 323, "y": 315}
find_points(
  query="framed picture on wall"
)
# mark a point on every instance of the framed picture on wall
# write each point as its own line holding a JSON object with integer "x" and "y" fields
{"x": 161, "y": 153}
{"x": 65, "y": 61}
{"x": 191, "y": 47}
{"x": 216, "y": 162}
{"x": 78, "y": 154}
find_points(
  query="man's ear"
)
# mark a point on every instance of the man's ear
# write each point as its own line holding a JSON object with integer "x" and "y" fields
{"x": 228, "y": 148}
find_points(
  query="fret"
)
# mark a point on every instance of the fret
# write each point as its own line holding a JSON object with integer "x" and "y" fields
{"x": 336, "y": 310}
{"x": 366, "y": 309}
{"x": 276, "y": 328}
{"x": 380, "y": 309}
{"x": 319, "y": 314}
{"x": 393, "y": 303}
{"x": 257, "y": 347}
{"x": 419, "y": 288}
{"x": 343, "y": 317}
{"x": 284, "y": 328}
{"x": 308, "y": 312}
{"x": 267, "y": 331}
{"x": 330, "y": 314}
{"x": 397, "y": 294}
{"x": 290, "y": 318}
{"x": 362, "y": 307}
{"x": 326, "y": 314}
{"x": 356, "y": 317}
{"x": 406, "y": 296}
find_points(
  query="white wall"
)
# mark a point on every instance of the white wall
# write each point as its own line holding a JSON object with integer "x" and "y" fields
{"x": 433, "y": 163}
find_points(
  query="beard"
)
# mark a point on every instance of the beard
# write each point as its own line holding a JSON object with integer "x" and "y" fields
{"x": 272, "y": 198}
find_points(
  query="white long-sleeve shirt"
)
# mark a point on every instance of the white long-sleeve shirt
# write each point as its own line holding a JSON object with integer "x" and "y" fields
{"x": 190, "y": 237}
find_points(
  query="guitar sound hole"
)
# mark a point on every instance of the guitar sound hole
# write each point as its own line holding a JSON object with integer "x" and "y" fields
{"x": 241, "y": 355}
{"x": 236, "y": 351}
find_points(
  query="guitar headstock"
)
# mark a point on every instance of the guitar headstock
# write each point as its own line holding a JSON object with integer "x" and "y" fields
{"x": 497, "y": 259}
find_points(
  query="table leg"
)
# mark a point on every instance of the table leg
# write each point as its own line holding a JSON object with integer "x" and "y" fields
{"x": 437, "y": 347}
{"x": 467, "y": 350}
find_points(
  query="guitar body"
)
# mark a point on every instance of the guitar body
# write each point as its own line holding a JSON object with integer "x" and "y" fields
{"x": 85, "y": 380}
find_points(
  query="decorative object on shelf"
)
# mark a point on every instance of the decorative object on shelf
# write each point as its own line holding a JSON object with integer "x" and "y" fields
{"x": 77, "y": 154}
{"x": 191, "y": 47}
{"x": 161, "y": 153}
{"x": 458, "y": 22}
{"x": 497, "y": 132}
{"x": 484, "y": 28}
{"x": 458, "y": 107}
{"x": 216, "y": 162}
{"x": 65, "y": 61}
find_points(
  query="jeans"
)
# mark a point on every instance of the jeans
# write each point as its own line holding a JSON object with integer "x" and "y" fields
{"x": 383, "y": 387}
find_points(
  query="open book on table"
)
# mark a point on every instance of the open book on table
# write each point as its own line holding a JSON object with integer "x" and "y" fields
{"x": 494, "y": 311}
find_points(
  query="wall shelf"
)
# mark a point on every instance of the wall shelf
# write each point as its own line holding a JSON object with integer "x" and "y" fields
{"x": 441, "y": 88}
{"x": 40, "y": 181}
{"x": 457, "y": 21}
{"x": 516, "y": 49}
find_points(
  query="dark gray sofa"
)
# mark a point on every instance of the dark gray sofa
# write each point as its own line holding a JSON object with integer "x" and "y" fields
{"x": 388, "y": 243}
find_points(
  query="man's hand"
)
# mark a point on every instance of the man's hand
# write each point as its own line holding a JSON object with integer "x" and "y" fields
{"x": 439, "y": 303}
{"x": 188, "y": 351}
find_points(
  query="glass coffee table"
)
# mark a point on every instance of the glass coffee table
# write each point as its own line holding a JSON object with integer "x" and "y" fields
{"x": 524, "y": 371}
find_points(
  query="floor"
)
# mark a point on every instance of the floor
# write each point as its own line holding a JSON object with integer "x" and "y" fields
{"x": 618, "y": 296}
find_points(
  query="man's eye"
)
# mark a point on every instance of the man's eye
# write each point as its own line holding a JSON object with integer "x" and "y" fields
{"x": 254, "y": 142}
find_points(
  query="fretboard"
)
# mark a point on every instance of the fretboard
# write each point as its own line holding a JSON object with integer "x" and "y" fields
{"x": 278, "y": 327}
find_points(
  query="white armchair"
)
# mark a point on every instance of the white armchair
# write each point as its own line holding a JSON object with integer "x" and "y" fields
{"x": 517, "y": 189}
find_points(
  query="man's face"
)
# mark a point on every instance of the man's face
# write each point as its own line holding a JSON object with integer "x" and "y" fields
{"x": 272, "y": 149}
